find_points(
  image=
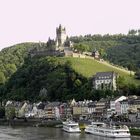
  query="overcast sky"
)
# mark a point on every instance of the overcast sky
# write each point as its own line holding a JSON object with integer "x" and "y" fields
{"x": 36, "y": 20}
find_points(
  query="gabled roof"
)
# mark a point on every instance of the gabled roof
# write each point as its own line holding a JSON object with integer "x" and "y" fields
{"x": 119, "y": 98}
{"x": 103, "y": 100}
{"x": 92, "y": 104}
{"x": 53, "y": 104}
{"x": 124, "y": 101}
{"x": 104, "y": 75}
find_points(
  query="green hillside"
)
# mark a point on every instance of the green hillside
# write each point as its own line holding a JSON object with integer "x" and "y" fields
{"x": 119, "y": 49}
{"x": 88, "y": 68}
{"x": 63, "y": 78}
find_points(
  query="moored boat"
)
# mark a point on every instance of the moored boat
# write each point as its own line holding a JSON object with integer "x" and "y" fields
{"x": 72, "y": 127}
{"x": 102, "y": 129}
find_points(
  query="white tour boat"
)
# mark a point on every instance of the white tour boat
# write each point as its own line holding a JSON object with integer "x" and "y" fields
{"x": 70, "y": 126}
{"x": 102, "y": 129}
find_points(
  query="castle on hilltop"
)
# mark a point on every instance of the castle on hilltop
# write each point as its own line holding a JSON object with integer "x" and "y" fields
{"x": 61, "y": 46}
{"x": 61, "y": 36}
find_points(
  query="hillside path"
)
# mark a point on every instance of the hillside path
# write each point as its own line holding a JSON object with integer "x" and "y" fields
{"x": 108, "y": 64}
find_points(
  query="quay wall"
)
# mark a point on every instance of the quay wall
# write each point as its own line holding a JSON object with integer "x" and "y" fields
{"x": 31, "y": 122}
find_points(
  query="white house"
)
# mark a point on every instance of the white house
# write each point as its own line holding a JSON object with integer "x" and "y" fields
{"x": 91, "y": 107}
{"x": 124, "y": 106}
{"x": 138, "y": 115}
{"x": 118, "y": 108}
{"x": 57, "y": 112}
{"x": 105, "y": 80}
{"x": 115, "y": 106}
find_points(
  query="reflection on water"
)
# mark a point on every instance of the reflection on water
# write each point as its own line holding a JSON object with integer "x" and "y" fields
{"x": 34, "y": 133}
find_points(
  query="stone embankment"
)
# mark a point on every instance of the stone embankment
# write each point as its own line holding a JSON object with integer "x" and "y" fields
{"x": 31, "y": 122}
{"x": 129, "y": 124}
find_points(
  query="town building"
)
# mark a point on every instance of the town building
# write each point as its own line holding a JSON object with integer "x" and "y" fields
{"x": 65, "y": 111}
{"x": 115, "y": 105}
{"x": 134, "y": 104}
{"x": 138, "y": 115}
{"x": 118, "y": 108}
{"x": 124, "y": 106}
{"x": 100, "y": 109}
{"x": 91, "y": 107}
{"x": 132, "y": 116}
{"x": 52, "y": 110}
{"x": 105, "y": 80}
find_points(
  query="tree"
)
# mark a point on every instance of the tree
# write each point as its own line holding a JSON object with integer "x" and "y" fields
{"x": 137, "y": 74}
{"x": 131, "y": 67}
{"x": 132, "y": 89}
{"x": 139, "y": 32}
{"x": 2, "y": 78}
{"x": 43, "y": 94}
{"x": 132, "y": 32}
{"x": 2, "y": 112}
{"x": 10, "y": 68}
{"x": 10, "y": 112}
{"x": 81, "y": 47}
{"x": 77, "y": 83}
{"x": 120, "y": 82}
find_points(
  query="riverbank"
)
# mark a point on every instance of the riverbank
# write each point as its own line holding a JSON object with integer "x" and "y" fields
{"x": 50, "y": 123}
{"x": 45, "y": 133}
{"x": 31, "y": 122}
{"x": 129, "y": 124}
{"x": 135, "y": 131}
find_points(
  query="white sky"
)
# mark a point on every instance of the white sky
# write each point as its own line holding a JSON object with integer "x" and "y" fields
{"x": 36, "y": 20}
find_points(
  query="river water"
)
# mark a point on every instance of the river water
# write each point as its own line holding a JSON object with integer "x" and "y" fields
{"x": 40, "y": 133}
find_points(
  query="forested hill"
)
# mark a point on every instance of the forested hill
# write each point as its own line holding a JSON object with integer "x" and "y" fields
{"x": 123, "y": 50}
{"x": 58, "y": 78}
{"x": 22, "y": 77}
{"x": 12, "y": 58}
{"x": 48, "y": 78}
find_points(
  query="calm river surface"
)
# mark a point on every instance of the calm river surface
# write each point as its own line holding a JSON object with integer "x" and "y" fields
{"x": 40, "y": 133}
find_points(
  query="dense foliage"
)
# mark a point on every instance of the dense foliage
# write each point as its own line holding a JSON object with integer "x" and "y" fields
{"x": 51, "y": 78}
{"x": 123, "y": 50}
{"x": 127, "y": 56}
{"x": 135, "y": 132}
{"x": 12, "y": 58}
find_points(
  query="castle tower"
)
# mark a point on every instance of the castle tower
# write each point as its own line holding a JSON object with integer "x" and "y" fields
{"x": 60, "y": 36}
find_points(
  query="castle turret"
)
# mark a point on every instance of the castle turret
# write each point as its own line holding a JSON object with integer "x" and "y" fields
{"x": 60, "y": 36}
